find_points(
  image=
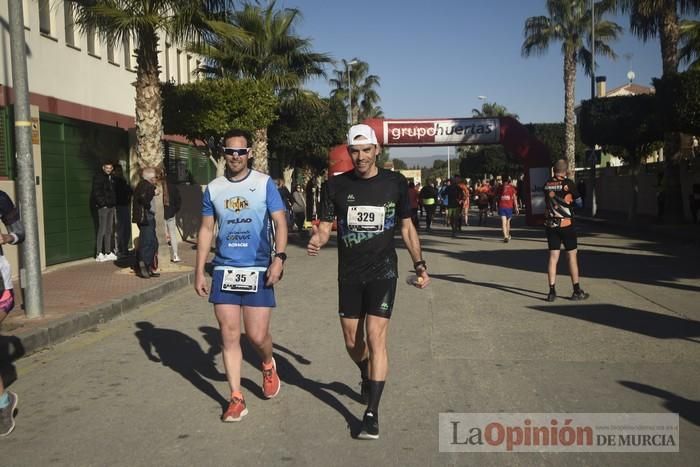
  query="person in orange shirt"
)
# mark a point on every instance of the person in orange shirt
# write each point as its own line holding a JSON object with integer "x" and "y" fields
{"x": 465, "y": 203}
{"x": 482, "y": 201}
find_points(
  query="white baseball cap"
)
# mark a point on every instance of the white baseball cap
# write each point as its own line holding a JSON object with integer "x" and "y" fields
{"x": 361, "y": 134}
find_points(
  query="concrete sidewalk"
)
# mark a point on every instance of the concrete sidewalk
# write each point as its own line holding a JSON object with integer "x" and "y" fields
{"x": 82, "y": 294}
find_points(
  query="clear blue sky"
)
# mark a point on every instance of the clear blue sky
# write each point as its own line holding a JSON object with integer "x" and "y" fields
{"x": 435, "y": 57}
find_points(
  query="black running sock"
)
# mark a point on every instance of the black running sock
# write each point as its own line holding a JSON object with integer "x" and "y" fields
{"x": 552, "y": 289}
{"x": 375, "y": 394}
{"x": 577, "y": 288}
{"x": 363, "y": 365}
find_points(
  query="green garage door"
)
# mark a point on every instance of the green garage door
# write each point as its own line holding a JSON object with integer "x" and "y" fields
{"x": 71, "y": 154}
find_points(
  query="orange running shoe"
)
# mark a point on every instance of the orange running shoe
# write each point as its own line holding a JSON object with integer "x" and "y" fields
{"x": 271, "y": 382}
{"x": 236, "y": 410}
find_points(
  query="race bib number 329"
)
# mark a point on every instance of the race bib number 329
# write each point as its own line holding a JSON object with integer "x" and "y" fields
{"x": 240, "y": 280}
{"x": 366, "y": 218}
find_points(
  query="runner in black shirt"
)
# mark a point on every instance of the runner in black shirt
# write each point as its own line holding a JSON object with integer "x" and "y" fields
{"x": 560, "y": 197}
{"x": 369, "y": 204}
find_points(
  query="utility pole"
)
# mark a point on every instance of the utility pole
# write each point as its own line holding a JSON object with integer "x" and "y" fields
{"x": 30, "y": 272}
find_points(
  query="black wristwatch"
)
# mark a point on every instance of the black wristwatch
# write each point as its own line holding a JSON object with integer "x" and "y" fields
{"x": 417, "y": 264}
{"x": 281, "y": 255}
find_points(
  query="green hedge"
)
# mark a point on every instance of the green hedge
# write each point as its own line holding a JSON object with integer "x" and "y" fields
{"x": 626, "y": 121}
{"x": 679, "y": 101}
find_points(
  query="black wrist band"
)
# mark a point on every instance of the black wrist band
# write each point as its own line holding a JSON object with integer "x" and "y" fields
{"x": 417, "y": 264}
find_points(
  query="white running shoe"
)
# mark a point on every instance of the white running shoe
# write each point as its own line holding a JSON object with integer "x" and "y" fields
{"x": 100, "y": 258}
{"x": 176, "y": 259}
{"x": 111, "y": 257}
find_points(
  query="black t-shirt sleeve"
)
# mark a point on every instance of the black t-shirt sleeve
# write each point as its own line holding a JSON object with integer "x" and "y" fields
{"x": 404, "y": 207}
{"x": 327, "y": 208}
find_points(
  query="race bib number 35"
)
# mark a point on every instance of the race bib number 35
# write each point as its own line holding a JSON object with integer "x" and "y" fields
{"x": 366, "y": 218}
{"x": 240, "y": 280}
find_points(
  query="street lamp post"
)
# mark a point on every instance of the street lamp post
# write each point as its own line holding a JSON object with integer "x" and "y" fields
{"x": 591, "y": 207}
{"x": 448, "y": 162}
{"x": 349, "y": 66}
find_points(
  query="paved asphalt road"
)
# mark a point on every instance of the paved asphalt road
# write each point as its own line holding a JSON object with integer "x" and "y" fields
{"x": 147, "y": 389}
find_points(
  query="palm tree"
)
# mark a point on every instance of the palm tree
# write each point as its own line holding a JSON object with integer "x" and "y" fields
{"x": 362, "y": 86}
{"x": 652, "y": 18}
{"x": 569, "y": 22}
{"x": 271, "y": 52}
{"x": 649, "y": 19}
{"x": 690, "y": 43}
{"x": 492, "y": 109}
{"x": 145, "y": 21}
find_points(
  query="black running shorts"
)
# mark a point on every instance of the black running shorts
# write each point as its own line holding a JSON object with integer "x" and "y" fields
{"x": 558, "y": 235}
{"x": 366, "y": 298}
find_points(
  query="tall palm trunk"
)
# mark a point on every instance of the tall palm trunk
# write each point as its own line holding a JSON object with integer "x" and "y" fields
{"x": 569, "y": 116}
{"x": 669, "y": 35}
{"x": 260, "y": 154}
{"x": 149, "y": 125}
{"x": 149, "y": 110}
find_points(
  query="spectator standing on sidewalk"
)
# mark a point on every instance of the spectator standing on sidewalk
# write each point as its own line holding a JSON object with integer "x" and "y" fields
{"x": 15, "y": 234}
{"x": 105, "y": 199}
{"x": 123, "y": 192}
{"x": 299, "y": 207}
{"x": 245, "y": 205}
{"x": 171, "y": 203}
{"x": 561, "y": 196}
{"x": 144, "y": 216}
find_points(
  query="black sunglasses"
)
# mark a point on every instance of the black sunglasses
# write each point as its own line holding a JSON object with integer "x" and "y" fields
{"x": 236, "y": 151}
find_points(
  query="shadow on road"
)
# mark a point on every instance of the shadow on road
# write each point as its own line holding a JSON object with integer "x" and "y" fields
{"x": 460, "y": 279}
{"x": 11, "y": 349}
{"x": 290, "y": 375}
{"x": 662, "y": 271}
{"x": 182, "y": 354}
{"x": 643, "y": 322}
{"x": 686, "y": 408}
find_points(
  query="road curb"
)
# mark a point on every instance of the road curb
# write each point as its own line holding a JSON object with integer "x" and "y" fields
{"x": 62, "y": 329}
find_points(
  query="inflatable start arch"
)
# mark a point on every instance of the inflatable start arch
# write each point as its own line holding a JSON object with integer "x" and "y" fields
{"x": 465, "y": 131}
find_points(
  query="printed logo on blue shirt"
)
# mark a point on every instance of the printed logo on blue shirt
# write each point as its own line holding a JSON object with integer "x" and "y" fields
{"x": 237, "y": 204}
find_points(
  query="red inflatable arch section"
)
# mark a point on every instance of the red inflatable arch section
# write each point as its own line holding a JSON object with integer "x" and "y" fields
{"x": 513, "y": 135}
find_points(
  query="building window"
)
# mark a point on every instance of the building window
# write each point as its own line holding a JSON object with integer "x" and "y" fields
{"x": 92, "y": 42}
{"x": 69, "y": 21}
{"x": 110, "y": 53}
{"x": 179, "y": 66}
{"x": 45, "y": 17}
{"x": 126, "y": 45}
{"x": 25, "y": 11}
